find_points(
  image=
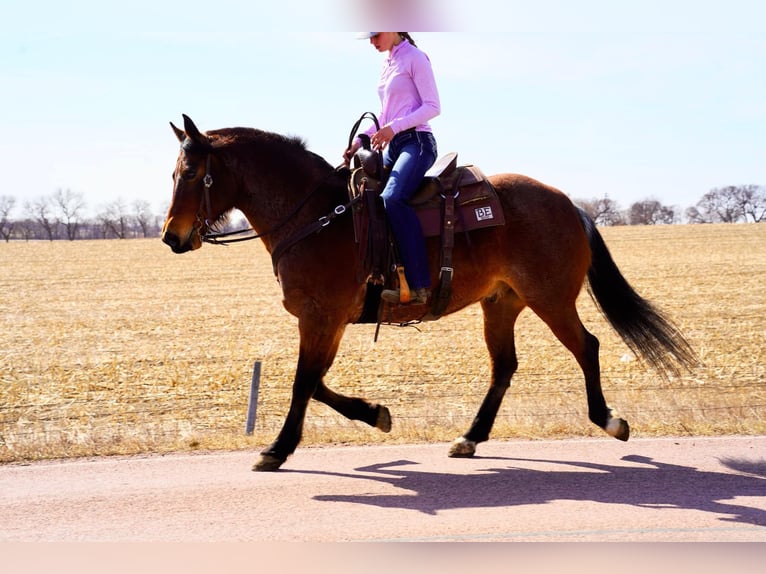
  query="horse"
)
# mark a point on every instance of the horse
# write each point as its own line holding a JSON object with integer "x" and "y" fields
{"x": 296, "y": 203}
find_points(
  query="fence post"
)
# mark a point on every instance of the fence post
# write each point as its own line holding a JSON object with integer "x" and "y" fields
{"x": 252, "y": 405}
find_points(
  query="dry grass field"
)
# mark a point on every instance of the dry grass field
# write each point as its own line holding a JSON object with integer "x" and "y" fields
{"x": 115, "y": 347}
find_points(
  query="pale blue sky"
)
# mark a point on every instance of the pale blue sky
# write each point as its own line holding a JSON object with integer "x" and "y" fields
{"x": 637, "y": 99}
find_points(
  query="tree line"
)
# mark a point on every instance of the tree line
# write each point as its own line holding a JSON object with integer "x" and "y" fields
{"x": 61, "y": 215}
{"x": 730, "y": 204}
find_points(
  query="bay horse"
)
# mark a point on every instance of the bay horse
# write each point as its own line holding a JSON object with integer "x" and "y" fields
{"x": 539, "y": 259}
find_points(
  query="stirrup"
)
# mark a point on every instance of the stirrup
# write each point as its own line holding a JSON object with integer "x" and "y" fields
{"x": 418, "y": 297}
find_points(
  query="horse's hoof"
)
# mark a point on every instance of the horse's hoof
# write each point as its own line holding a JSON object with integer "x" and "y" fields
{"x": 383, "y": 421}
{"x": 462, "y": 448}
{"x": 618, "y": 428}
{"x": 267, "y": 463}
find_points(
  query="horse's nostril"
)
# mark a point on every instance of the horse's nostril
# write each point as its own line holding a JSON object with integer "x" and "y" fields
{"x": 171, "y": 239}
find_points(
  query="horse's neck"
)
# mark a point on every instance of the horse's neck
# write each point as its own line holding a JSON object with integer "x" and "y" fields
{"x": 283, "y": 199}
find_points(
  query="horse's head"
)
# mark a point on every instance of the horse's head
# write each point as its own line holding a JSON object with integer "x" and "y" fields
{"x": 195, "y": 206}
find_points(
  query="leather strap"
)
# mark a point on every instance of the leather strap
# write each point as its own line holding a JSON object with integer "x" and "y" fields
{"x": 444, "y": 290}
{"x": 310, "y": 229}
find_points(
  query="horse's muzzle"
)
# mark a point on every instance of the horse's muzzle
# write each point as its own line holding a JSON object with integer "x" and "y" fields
{"x": 181, "y": 236}
{"x": 175, "y": 242}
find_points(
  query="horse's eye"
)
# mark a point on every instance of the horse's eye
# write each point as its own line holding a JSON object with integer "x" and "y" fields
{"x": 189, "y": 173}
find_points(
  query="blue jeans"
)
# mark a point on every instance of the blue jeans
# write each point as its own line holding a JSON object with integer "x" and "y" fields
{"x": 409, "y": 155}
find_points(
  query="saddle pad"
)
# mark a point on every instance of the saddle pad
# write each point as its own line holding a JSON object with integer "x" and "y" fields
{"x": 477, "y": 207}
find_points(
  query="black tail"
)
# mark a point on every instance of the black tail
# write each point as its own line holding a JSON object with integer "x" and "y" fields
{"x": 648, "y": 332}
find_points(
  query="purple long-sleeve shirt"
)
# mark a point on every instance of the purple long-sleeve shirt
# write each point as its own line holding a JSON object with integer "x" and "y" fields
{"x": 407, "y": 90}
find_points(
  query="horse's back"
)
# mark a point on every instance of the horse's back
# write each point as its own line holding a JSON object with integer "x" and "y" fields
{"x": 527, "y": 197}
{"x": 536, "y": 208}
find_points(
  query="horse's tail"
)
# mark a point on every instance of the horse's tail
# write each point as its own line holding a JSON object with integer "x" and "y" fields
{"x": 648, "y": 332}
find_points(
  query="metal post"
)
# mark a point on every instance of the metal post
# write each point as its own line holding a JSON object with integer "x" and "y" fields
{"x": 252, "y": 405}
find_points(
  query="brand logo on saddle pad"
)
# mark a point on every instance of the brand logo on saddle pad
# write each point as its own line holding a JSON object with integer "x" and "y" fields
{"x": 483, "y": 213}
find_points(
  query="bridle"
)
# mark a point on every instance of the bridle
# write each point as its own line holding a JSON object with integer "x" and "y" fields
{"x": 225, "y": 238}
{"x": 219, "y": 238}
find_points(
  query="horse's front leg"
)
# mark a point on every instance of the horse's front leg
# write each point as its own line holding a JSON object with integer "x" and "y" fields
{"x": 355, "y": 408}
{"x": 320, "y": 338}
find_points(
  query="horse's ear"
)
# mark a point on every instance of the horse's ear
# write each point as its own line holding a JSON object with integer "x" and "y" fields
{"x": 180, "y": 134}
{"x": 193, "y": 133}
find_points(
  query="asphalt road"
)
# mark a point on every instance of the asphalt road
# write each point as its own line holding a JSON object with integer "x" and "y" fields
{"x": 690, "y": 489}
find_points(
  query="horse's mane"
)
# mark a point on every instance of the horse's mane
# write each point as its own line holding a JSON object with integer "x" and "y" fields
{"x": 227, "y": 137}
{"x": 240, "y": 138}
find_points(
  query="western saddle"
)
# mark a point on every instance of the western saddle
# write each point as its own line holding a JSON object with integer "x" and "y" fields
{"x": 450, "y": 199}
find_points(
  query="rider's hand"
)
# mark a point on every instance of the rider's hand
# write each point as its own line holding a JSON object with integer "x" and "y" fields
{"x": 381, "y": 138}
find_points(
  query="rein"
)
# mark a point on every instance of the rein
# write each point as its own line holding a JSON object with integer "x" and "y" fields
{"x": 225, "y": 238}
{"x": 310, "y": 229}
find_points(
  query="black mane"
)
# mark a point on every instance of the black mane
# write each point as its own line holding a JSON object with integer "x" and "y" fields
{"x": 238, "y": 135}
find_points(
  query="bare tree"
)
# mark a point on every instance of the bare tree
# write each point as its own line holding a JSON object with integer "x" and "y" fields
{"x": 26, "y": 228}
{"x": 41, "y": 211}
{"x": 651, "y": 212}
{"x": 603, "y": 211}
{"x": 70, "y": 205}
{"x": 114, "y": 219}
{"x": 719, "y": 205}
{"x": 143, "y": 216}
{"x": 752, "y": 199}
{"x": 693, "y": 215}
{"x": 7, "y": 203}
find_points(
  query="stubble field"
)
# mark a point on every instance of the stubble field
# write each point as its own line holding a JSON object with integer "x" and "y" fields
{"x": 118, "y": 347}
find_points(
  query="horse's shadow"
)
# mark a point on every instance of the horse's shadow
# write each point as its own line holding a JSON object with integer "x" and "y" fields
{"x": 648, "y": 483}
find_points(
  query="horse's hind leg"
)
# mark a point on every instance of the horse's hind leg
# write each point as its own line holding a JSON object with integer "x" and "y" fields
{"x": 584, "y": 346}
{"x": 500, "y": 313}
